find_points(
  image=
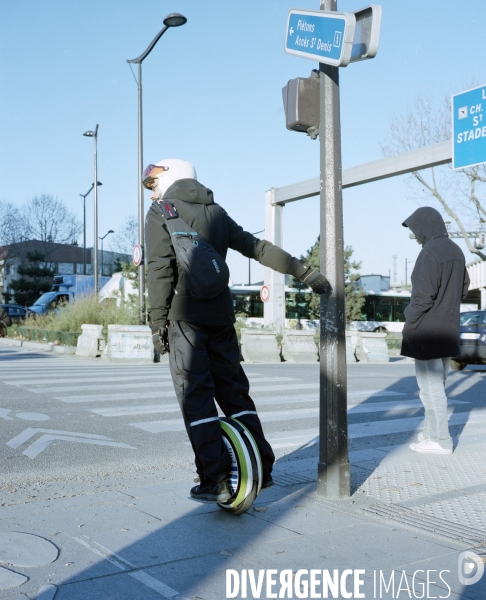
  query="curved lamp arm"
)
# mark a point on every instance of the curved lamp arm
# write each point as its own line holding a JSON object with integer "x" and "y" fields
{"x": 150, "y": 47}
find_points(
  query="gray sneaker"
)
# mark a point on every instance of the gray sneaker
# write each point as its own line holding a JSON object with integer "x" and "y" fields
{"x": 429, "y": 447}
{"x": 208, "y": 491}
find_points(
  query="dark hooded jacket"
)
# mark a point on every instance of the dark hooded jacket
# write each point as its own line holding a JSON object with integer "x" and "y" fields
{"x": 439, "y": 282}
{"x": 169, "y": 298}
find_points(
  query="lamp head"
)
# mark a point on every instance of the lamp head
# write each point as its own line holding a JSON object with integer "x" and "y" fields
{"x": 89, "y": 133}
{"x": 174, "y": 20}
{"x": 111, "y": 231}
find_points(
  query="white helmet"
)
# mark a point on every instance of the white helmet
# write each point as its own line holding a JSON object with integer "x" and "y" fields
{"x": 167, "y": 171}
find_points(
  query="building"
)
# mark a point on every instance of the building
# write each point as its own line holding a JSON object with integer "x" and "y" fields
{"x": 373, "y": 283}
{"x": 65, "y": 259}
{"x": 477, "y": 286}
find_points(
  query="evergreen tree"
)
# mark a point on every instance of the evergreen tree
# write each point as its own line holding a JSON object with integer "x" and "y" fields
{"x": 34, "y": 281}
{"x": 354, "y": 298}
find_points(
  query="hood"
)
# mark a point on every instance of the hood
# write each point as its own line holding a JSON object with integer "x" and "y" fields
{"x": 189, "y": 190}
{"x": 426, "y": 224}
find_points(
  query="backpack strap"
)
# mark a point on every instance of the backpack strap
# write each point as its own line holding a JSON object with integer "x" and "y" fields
{"x": 175, "y": 224}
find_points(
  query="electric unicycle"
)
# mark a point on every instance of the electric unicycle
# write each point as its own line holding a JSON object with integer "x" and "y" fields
{"x": 245, "y": 477}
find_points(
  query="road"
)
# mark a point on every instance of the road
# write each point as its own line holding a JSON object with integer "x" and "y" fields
{"x": 68, "y": 424}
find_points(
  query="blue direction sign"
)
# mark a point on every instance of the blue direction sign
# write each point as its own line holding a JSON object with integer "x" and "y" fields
{"x": 469, "y": 128}
{"x": 321, "y": 36}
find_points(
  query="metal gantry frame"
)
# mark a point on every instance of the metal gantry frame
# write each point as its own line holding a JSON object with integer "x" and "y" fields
{"x": 277, "y": 198}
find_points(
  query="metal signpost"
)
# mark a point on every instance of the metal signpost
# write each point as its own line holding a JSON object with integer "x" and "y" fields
{"x": 469, "y": 128}
{"x": 329, "y": 37}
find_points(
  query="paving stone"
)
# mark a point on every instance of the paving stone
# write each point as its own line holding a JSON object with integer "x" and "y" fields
{"x": 26, "y": 550}
{"x": 10, "y": 579}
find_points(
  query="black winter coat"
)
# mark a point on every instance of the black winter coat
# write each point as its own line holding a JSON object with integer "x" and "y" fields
{"x": 439, "y": 282}
{"x": 169, "y": 298}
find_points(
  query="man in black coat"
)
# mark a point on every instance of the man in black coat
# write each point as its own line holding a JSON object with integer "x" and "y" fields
{"x": 204, "y": 353}
{"x": 431, "y": 331}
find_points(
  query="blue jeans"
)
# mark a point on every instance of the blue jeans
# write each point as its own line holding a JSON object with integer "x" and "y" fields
{"x": 431, "y": 378}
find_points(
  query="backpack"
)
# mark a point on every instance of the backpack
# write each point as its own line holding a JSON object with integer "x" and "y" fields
{"x": 205, "y": 270}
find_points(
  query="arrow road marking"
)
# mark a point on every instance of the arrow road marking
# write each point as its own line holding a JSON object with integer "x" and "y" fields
{"x": 51, "y": 435}
{"x": 41, "y": 444}
{"x": 31, "y": 431}
{"x": 3, "y": 414}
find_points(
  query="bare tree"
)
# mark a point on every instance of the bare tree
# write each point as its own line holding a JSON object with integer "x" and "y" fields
{"x": 125, "y": 239}
{"x": 12, "y": 226}
{"x": 462, "y": 194}
{"x": 44, "y": 218}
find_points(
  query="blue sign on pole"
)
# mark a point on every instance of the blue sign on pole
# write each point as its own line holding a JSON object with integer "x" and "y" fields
{"x": 469, "y": 128}
{"x": 325, "y": 37}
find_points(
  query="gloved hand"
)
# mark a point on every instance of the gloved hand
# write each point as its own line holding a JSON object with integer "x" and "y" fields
{"x": 315, "y": 280}
{"x": 161, "y": 340}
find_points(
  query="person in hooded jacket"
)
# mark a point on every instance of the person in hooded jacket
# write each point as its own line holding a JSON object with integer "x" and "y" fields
{"x": 204, "y": 353}
{"x": 431, "y": 331}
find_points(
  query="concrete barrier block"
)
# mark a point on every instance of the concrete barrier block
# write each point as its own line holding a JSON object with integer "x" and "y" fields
{"x": 259, "y": 346}
{"x": 298, "y": 346}
{"x": 130, "y": 343}
{"x": 91, "y": 342}
{"x": 372, "y": 348}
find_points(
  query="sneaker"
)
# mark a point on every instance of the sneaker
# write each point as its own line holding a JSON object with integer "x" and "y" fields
{"x": 267, "y": 480}
{"x": 429, "y": 447}
{"x": 208, "y": 491}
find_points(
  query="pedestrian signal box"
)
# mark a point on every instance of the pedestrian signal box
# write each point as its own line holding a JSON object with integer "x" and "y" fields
{"x": 301, "y": 98}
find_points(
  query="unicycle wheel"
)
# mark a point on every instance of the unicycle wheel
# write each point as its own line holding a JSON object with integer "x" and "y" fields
{"x": 245, "y": 477}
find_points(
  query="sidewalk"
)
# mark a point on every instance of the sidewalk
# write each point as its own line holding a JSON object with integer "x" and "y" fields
{"x": 410, "y": 517}
{"x": 145, "y": 539}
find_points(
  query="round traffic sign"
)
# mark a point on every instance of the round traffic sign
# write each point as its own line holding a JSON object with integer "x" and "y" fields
{"x": 264, "y": 294}
{"x": 137, "y": 255}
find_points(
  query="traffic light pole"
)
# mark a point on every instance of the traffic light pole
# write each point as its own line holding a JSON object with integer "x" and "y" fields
{"x": 333, "y": 469}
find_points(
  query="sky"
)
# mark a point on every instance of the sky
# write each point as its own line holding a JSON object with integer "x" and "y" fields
{"x": 212, "y": 95}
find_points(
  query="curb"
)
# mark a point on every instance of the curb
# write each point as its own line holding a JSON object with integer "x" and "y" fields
{"x": 38, "y": 346}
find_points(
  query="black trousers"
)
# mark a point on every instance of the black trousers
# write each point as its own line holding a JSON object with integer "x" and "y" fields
{"x": 205, "y": 366}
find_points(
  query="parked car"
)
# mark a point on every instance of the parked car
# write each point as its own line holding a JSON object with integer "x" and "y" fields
{"x": 473, "y": 340}
{"x": 16, "y": 312}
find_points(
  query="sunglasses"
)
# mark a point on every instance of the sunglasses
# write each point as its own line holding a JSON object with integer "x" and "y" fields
{"x": 150, "y": 173}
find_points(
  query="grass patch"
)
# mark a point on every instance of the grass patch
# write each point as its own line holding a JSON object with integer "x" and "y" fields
{"x": 86, "y": 310}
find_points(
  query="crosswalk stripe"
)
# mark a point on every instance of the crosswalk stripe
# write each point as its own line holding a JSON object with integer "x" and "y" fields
{"x": 277, "y": 388}
{"x": 110, "y": 386}
{"x": 374, "y": 393}
{"x": 121, "y": 411}
{"x": 114, "y": 397}
{"x": 146, "y": 395}
{"x": 114, "y": 379}
{"x": 391, "y": 406}
{"x": 356, "y": 430}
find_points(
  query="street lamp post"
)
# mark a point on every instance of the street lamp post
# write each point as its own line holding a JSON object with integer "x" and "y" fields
{"x": 102, "y": 256}
{"x": 406, "y": 273}
{"x": 172, "y": 20}
{"x": 94, "y": 135}
{"x": 249, "y": 260}
{"x": 83, "y": 196}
